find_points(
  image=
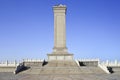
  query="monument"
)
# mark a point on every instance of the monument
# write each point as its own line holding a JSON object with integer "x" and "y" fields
{"x": 60, "y": 64}
{"x": 60, "y": 50}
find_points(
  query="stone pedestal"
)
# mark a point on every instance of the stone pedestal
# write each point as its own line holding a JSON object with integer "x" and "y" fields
{"x": 60, "y": 49}
{"x": 65, "y": 57}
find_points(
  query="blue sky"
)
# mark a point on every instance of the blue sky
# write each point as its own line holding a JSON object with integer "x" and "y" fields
{"x": 26, "y": 28}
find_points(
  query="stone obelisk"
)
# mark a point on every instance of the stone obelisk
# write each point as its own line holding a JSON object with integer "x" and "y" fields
{"x": 60, "y": 49}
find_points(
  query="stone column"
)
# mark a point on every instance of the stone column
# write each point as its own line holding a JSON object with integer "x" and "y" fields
{"x": 59, "y": 29}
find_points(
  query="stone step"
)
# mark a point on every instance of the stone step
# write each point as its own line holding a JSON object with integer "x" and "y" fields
{"x": 64, "y": 70}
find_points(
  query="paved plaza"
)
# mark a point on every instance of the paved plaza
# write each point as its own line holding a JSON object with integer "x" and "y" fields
{"x": 11, "y": 76}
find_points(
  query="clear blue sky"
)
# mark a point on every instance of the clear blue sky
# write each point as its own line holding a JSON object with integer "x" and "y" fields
{"x": 26, "y": 28}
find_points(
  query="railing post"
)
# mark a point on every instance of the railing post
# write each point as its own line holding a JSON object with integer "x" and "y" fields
{"x": 116, "y": 62}
{"x": 107, "y": 63}
{"x": 15, "y": 63}
{"x": 7, "y": 63}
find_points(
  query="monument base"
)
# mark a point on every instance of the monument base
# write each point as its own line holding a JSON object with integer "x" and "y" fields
{"x": 60, "y": 57}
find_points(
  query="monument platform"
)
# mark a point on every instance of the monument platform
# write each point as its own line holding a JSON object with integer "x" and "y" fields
{"x": 60, "y": 70}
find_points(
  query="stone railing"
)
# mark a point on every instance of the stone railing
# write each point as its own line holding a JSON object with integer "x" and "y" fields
{"x": 15, "y": 63}
{"x": 9, "y": 64}
{"x": 104, "y": 68}
{"x": 88, "y": 60}
{"x": 111, "y": 63}
{"x": 33, "y": 60}
{"x": 77, "y": 62}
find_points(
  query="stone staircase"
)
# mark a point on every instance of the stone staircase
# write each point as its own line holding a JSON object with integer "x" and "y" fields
{"x": 63, "y": 67}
